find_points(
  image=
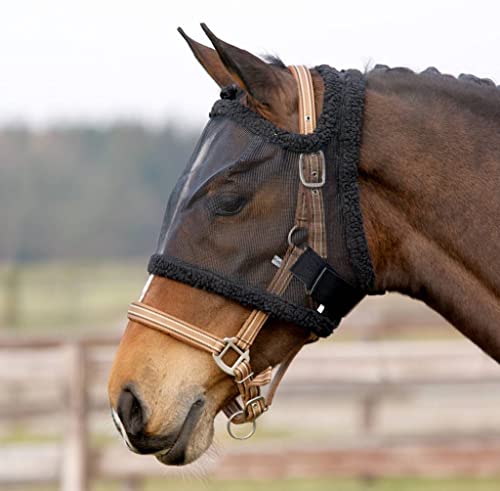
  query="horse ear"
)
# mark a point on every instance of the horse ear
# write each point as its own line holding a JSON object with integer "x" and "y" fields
{"x": 258, "y": 78}
{"x": 209, "y": 60}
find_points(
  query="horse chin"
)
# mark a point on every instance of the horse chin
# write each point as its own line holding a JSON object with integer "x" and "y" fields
{"x": 191, "y": 446}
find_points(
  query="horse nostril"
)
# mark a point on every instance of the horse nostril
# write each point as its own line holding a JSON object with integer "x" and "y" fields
{"x": 131, "y": 418}
{"x": 131, "y": 412}
{"x": 200, "y": 402}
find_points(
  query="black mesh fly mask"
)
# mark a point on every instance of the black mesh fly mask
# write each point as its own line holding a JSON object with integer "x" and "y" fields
{"x": 270, "y": 219}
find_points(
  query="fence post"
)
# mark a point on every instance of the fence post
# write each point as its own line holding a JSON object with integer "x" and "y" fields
{"x": 369, "y": 407}
{"x": 75, "y": 449}
{"x": 12, "y": 293}
{"x": 131, "y": 484}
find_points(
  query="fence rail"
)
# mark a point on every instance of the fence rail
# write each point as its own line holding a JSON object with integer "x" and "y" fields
{"x": 372, "y": 371}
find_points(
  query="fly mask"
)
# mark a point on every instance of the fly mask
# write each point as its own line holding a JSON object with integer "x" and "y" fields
{"x": 247, "y": 220}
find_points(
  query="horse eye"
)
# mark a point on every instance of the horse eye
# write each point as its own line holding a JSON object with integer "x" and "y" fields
{"x": 229, "y": 204}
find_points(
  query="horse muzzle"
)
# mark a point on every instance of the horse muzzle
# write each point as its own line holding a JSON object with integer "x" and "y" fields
{"x": 170, "y": 448}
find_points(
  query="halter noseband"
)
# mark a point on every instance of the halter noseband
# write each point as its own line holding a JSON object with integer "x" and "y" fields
{"x": 309, "y": 215}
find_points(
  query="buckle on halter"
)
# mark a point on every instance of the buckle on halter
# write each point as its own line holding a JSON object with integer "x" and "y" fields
{"x": 242, "y": 356}
{"x": 314, "y": 173}
{"x": 254, "y": 403}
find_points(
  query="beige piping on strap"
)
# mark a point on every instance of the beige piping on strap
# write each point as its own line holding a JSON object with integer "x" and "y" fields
{"x": 177, "y": 328}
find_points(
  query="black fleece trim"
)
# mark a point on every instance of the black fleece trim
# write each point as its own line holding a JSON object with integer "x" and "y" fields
{"x": 346, "y": 156}
{"x": 269, "y": 303}
{"x": 295, "y": 142}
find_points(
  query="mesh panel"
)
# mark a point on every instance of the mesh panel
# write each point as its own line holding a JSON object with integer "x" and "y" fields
{"x": 233, "y": 207}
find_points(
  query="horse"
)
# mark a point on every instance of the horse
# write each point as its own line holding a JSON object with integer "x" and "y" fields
{"x": 427, "y": 176}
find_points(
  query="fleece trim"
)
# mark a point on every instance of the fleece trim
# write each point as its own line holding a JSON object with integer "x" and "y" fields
{"x": 277, "y": 307}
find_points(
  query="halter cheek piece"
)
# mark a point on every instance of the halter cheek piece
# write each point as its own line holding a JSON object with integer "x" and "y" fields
{"x": 307, "y": 264}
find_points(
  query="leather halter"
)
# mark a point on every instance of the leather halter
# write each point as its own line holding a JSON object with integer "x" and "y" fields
{"x": 309, "y": 216}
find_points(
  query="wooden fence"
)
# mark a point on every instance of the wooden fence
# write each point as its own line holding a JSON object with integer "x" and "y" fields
{"x": 77, "y": 371}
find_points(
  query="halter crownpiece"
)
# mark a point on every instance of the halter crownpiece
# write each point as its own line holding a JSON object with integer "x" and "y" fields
{"x": 307, "y": 105}
{"x": 304, "y": 289}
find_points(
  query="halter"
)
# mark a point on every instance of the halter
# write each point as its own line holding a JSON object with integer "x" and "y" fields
{"x": 312, "y": 270}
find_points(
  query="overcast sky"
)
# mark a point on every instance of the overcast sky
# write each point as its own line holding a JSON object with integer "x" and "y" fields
{"x": 102, "y": 60}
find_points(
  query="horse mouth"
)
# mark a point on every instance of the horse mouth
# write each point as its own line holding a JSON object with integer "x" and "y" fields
{"x": 175, "y": 454}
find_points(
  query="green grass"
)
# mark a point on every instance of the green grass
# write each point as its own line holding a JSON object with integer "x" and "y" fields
{"x": 18, "y": 434}
{"x": 43, "y": 297}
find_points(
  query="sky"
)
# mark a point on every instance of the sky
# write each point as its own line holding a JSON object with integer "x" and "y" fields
{"x": 98, "y": 61}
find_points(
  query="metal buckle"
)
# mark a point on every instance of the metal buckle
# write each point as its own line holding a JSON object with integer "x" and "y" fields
{"x": 303, "y": 180}
{"x": 253, "y": 401}
{"x": 242, "y": 356}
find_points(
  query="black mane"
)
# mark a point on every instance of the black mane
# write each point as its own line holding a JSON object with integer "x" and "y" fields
{"x": 430, "y": 71}
{"x": 434, "y": 72}
{"x": 483, "y": 94}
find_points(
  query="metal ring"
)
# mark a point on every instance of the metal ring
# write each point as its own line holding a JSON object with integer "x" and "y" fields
{"x": 230, "y": 431}
{"x": 290, "y": 235}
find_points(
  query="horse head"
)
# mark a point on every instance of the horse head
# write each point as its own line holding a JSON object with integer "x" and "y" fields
{"x": 283, "y": 221}
{"x": 231, "y": 210}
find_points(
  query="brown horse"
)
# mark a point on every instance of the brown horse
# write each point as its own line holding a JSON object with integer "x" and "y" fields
{"x": 429, "y": 180}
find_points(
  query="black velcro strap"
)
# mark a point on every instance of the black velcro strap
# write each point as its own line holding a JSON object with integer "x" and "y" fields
{"x": 325, "y": 285}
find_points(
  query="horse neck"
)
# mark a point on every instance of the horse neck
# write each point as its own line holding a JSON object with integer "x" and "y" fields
{"x": 429, "y": 189}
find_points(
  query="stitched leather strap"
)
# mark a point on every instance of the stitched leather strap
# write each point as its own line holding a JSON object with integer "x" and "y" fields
{"x": 177, "y": 328}
{"x": 256, "y": 320}
{"x": 307, "y": 106}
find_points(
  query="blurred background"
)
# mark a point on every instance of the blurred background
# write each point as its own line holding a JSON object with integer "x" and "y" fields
{"x": 100, "y": 105}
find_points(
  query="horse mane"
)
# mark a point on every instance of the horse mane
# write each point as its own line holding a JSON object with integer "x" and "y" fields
{"x": 480, "y": 96}
{"x": 431, "y": 71}
{"x": 466, "y": 78}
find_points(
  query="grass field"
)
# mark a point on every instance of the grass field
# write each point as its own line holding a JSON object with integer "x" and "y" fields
{"x": 43, "y": 297}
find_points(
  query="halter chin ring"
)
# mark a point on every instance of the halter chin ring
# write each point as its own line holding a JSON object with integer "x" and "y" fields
{"x": 242, "y": 356}
{"x": 230, "y": 427}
